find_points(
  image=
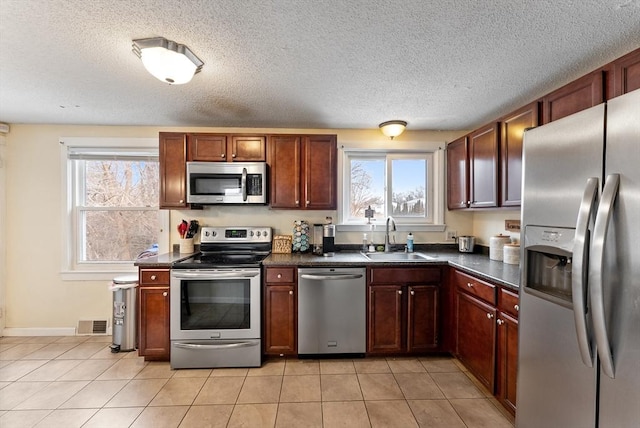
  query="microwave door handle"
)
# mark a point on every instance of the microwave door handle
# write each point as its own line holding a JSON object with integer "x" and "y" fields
{"x": 601, "y": 228}
{"x": 580, "y": 268}
{"x": 244, "y": 184}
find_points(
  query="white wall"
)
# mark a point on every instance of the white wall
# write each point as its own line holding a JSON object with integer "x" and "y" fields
{"x": 38, "y": 301}
{"x": 3, "y": 229}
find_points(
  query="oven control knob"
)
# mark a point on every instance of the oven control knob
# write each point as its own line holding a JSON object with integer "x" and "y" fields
{"x": 258, "y": 233}
{"x": 265, "y": 233}
{"x": 206, "y": 233}
{"x": 214, "y": 233}
{"x": 251, "y": 233}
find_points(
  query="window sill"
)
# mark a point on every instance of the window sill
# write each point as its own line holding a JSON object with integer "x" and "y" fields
{"x": 399, "y": 227}
{"x": 94, "y": 275}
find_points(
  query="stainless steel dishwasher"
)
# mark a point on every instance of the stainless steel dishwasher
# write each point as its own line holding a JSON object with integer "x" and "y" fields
{"x": 331, "y": 311}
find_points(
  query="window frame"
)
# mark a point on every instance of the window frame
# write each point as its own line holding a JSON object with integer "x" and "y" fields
{"x": 71, "y": 268}
{"x": 434, "y": 193}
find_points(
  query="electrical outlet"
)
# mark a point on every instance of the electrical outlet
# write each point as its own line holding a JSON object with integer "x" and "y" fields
{"x": 451, "y": 235}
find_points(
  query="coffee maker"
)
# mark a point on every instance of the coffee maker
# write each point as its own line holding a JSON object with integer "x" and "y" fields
{"x": 328, "y": 240}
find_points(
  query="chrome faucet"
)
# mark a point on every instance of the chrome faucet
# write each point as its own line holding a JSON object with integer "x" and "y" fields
{"x": 387, "y": 247}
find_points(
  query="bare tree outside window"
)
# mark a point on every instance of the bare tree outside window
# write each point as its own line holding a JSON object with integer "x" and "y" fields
{"x": 362, "y": 193}
{"x": 118, "y": 213}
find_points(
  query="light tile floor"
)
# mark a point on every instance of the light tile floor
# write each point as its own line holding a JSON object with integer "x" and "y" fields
{"x": 77, "y": 382}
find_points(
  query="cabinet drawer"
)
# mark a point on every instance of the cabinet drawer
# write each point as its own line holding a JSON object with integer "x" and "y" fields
{"x": 475, "y": 287}
{"x": 280, "y": 274}
{"x": 154, "y": 277}
{"x": 508, "y": 302}
{"x": 405, "y": 275}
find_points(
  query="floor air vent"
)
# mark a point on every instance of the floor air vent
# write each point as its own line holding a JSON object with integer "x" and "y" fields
{"x": 86, "y": 327}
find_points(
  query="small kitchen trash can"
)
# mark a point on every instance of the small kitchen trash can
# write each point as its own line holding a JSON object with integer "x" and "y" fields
{"x": 124, "y": 313}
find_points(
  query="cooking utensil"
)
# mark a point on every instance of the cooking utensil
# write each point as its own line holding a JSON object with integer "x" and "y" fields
{"x": 194, "y": 226}
{"x": 182, "y": 228}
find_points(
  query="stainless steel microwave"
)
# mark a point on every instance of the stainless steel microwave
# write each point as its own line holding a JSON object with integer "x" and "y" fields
{"x": 211, "y": 183}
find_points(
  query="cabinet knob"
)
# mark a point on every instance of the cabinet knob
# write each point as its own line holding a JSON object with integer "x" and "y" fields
{"x": 399, "y": 291}
{"x": 279, "y": 275}
{"x": 222, "y": 155}
{"x": 291, "y": 292}
{"x": 297, "y": 202}
{"x": 153, "y": 277}
{"x": 182, "y": 201}
{"x": 500, "y": 322}
{"x": 233, "y": 155}
{"x": 165, "y": 294}
{"x": 308, "y": 203}
{"x": 469, "y": 284}
{"x": 413, "y": 293}
{"x": 489, "y": 316}
{"x": 516, "y": 307}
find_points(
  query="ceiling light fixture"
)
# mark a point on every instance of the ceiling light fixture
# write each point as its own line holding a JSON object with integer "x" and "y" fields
{"x": 167, "y": 60}
{"x": 393, "y": 128}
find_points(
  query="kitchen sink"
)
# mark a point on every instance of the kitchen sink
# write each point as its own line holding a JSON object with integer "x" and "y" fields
{"x": 397, "y": 257}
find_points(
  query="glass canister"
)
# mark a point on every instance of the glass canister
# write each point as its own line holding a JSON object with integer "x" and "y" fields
{"x": 300, "y": 236}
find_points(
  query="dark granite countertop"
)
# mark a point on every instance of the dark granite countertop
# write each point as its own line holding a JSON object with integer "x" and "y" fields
{"x": 163, "y": 260}
{"x": 476, "y": 263}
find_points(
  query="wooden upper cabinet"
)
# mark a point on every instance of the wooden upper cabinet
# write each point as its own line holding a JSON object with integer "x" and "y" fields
{"x": 483, "y": 166}
{"x": 303, "y": 171}
{"x": 227, "y": 148}
{"x": 248, "y": 148}
{"x": 511, "y": 136}
{"x": 624, "y": 75}
{"x": 581, "y": 94}
{"x": 457, "y": 174}
{"x": 284, "y": 163}
{"x": 173, "y": 176}
{"x": 319, "y": 170}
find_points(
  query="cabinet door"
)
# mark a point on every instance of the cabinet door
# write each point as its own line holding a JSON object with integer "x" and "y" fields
{"x": 507, "y": 361}
{"x": 483, "y": 167}
{"x": 319, "y": 172}
{"x": 385, "y": 319}
{"x": 246, "y": 148}
{"x": 173, "y": 175}
{"x": 625, "y": 74}
{"x": 578, "y": 95}
{"x": 513, "y": 127}
{"x": 423, "y": 318}
{"x": 280, "y": 320}
{"x": 457, "y": 174}
{"x": 284, "y": 163}
{"x": 475, "y": 337}
{"x": 208, "y": 147}
{"x": 153, "y": 331}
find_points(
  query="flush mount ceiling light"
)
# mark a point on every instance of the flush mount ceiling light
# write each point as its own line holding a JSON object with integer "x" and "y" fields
{"x": 393, "y": 128}
{"x": 167, "y": 60}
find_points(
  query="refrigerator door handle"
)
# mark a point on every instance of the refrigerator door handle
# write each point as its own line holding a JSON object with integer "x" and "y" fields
{"x": 580, "y": 268}
{"x": 603, "y": 217}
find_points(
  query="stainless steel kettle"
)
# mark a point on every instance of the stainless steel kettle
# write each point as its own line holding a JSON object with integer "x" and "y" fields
{"x": 466, "y": 244}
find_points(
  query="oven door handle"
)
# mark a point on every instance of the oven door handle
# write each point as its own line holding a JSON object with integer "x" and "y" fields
{"x": 225, "y": 346}
{"x": 209, "y": 275}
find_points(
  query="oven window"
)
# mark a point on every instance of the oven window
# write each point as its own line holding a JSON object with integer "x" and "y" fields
{"x": 215, "y": 304}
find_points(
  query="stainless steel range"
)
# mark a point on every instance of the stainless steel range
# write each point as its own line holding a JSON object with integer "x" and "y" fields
{"x": 215, "y": 300}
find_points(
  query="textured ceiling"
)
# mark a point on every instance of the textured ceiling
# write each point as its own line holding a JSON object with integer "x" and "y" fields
{"x": 446, "y": 64}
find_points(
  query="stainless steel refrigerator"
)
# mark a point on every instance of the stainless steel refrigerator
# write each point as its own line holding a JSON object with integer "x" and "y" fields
{"x": 579, "y": 331}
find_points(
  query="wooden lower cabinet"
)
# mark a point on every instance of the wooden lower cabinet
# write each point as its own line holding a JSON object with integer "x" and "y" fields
{"x": 507, "y": 358}
{"x": 403, "y": 310}
{"x": 153, "y": 315}
{"x": 507, "y": 361}
{"x": 475, "y": 337}
{"x": 280, "y": 307}
{"x": 485, "y": 339}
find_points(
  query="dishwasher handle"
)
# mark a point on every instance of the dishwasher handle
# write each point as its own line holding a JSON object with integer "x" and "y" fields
{"x": 337, "y": 277}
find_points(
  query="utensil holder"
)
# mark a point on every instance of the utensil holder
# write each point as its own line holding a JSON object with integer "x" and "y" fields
{"x": 186, "y": 245}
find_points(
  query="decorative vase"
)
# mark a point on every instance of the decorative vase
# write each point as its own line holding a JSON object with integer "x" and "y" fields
{"x": 300, "y": 236}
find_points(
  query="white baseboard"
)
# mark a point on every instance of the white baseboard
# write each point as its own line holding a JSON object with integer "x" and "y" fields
{"x": 62, "y": 331}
